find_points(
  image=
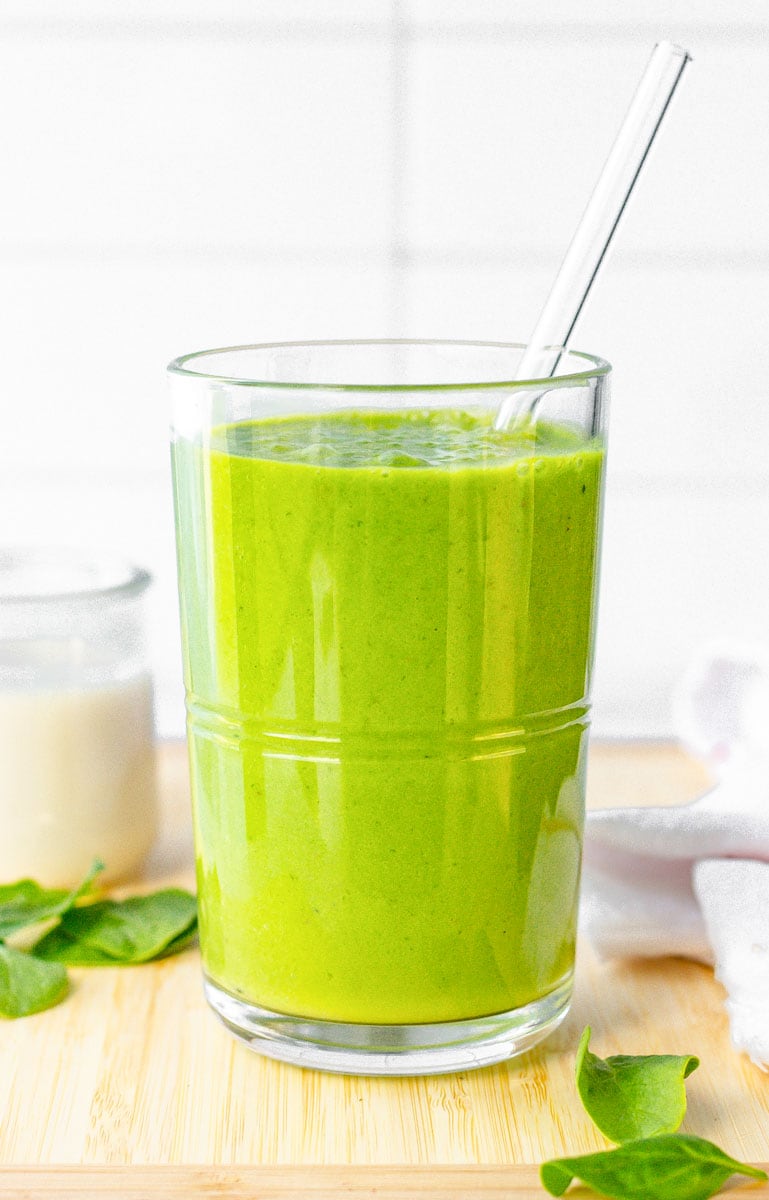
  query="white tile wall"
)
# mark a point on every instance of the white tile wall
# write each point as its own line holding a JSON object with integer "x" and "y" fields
{"x": 91, "y": 337}
{"x": 181, "y": 175}
{"x": 683, "y": 566}
{"x": 171, "y": 144}
{"x": 506, "y": 139}
{"x": 690, "y": 356}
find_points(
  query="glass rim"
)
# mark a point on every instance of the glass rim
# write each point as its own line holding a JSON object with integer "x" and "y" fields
{"x": 180, "y": 366}
{"x": 129, "y": 580}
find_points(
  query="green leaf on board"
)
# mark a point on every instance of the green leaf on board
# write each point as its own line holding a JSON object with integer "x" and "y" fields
{"x": 633, "y": 1096}
{"x": 673, "y": 1166}
{"x": 27, "y": 903}
{"x": 181, "y": 942}
{"x": 112, "y": 932}
{"x": 28, "y": 985}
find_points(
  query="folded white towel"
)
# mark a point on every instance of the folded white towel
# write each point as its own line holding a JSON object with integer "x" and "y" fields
{"x": 694, "y": 880}
{"x": 734, "y": 898}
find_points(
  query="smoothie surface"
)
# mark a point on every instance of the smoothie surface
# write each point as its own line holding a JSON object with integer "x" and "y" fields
{"x": 440, "y": 438}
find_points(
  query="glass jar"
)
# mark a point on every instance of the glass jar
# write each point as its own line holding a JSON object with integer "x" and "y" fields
{"x": 77, "y": 750}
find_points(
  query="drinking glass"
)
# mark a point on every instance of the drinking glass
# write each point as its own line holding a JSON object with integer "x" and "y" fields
{"x": 387, "y": 616}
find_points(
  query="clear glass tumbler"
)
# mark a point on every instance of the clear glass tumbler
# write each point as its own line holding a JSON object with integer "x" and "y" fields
{"x": 77, "y": 750}
{"x": 387, "y": 613}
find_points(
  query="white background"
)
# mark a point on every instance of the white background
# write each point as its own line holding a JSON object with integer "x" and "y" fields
{"x": 179, "y": 175}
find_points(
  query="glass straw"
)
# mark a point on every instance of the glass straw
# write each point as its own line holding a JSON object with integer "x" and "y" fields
{"x": 597, "y": 227}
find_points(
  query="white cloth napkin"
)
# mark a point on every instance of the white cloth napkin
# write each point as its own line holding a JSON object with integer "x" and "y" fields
{"x": 694, "y": 880}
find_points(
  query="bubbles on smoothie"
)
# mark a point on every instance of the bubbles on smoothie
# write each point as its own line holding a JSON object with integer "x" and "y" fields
{"x": 408, "y": 439}
{"x": 406, "y": 460}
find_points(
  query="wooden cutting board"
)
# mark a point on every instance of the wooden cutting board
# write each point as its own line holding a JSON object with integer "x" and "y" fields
{"x": 132, "y": 1075}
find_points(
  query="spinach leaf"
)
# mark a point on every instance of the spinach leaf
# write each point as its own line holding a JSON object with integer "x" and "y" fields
{"x": 674, "y": 1166}
{"x": 112, "y": 932}
{"x": 182, "y": 941}
{"x": 28, "y": 985}
{"x": 27, "y": 903}
{"x": 633, "y": 1096}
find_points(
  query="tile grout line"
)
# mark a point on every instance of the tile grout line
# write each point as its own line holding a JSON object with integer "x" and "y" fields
{"x": 226, "y": 30}
{"x": 395, "y": 250}
{"x": 397, "y": 181}
{"x": 747, "y": 33}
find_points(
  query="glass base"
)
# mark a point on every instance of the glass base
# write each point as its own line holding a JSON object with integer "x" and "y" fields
{"x": 352, "y": 1049}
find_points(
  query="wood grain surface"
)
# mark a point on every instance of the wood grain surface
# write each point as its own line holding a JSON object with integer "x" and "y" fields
{"x": 134, "y": 1070}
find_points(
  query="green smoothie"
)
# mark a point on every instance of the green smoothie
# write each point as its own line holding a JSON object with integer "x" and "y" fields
{"x": 387, "y": 621}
